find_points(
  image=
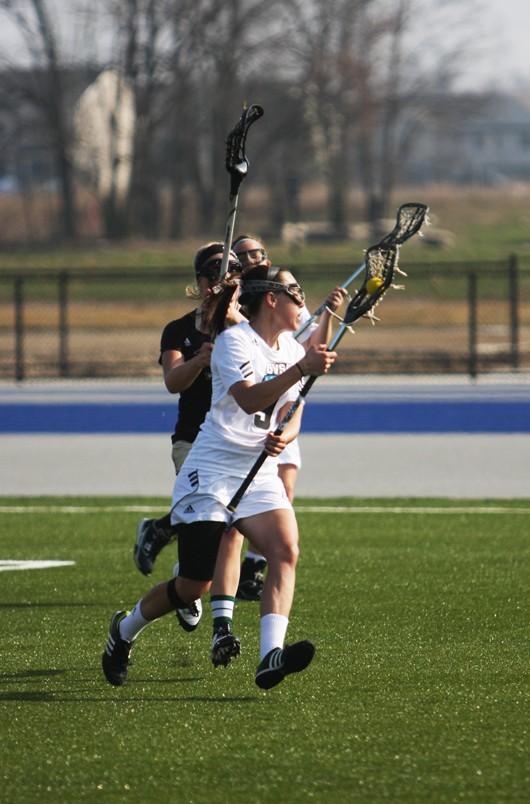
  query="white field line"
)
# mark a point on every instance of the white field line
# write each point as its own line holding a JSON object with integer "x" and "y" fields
{"x": 11, "y": 565}
{"x": 393, "y": 509}
{"x": 80, "y": 509}
{"x": 302, "y": 509}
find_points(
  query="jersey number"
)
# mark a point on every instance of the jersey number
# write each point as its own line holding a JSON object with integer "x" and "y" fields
{"x": 262, "y": 419}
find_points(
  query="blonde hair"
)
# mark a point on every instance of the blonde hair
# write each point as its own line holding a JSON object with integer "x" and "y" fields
{"x": 192, "y": 292}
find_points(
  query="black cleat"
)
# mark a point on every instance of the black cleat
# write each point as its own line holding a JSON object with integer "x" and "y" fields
{"x": 115, "y": 660}
{"x": 251, "y": 579}
{"x": 225, "y": 646}
{"x": 150, "y": 539}
{"x": 190, "y": 617}
{"x": 279, "y": 663}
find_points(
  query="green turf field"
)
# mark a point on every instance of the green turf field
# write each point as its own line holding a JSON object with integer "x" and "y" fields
{"x": 418, "y": 691}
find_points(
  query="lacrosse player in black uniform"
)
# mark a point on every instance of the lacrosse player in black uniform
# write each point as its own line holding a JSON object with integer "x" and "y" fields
{"x": 184, "y": 355}
{"x": 185, "y": 351}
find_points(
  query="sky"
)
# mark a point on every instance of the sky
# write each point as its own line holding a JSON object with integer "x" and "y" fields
{"x": 505, "y": 47}
{"x": 500, "y": 36}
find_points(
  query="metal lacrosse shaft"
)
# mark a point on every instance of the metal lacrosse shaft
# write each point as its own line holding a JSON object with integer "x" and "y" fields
{"x": 322, "y": 307}
{"x": 229, "y": 234}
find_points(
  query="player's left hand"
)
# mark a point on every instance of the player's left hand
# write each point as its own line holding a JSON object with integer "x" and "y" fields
{"x": 274, "y": 444}
{"x": 335, "y": 298}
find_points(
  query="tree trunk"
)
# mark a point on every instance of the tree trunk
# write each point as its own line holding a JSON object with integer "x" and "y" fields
{"x": 56, "y": 113}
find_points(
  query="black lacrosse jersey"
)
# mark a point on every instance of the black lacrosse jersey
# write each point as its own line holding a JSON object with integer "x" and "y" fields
{"x": 194, "y": 402}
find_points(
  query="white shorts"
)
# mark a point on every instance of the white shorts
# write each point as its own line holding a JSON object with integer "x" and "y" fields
{"x": 291, "y": 455}
{"x": 202, "y": 495}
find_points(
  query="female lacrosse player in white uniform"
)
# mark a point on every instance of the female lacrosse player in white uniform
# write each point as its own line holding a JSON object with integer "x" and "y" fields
{"x": 256, "y": 370}
{"x": 251, "y": 251}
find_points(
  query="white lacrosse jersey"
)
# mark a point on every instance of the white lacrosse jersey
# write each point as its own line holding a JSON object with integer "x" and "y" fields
{"x": 230, "y": 440}
{"x": 240, "y": 354}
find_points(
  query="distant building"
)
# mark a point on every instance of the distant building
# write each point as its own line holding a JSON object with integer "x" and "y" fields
{"x": 470, "y": 139}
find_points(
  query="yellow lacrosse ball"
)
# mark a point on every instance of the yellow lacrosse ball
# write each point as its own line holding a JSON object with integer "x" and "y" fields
{"x": 373, "y": 284}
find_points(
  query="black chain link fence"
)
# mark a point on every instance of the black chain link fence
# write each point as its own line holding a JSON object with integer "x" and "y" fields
{"x": 451, "y": 318}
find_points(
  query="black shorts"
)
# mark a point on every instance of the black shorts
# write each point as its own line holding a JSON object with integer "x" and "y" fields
{"x": 198, "y": 548}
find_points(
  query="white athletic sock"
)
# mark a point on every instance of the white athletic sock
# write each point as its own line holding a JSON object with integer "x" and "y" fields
{"x": 222, "y": 609}
{"x": 133, "y": 624}
{"x": 254, "y": 556}
{"x": 273, "y": 628}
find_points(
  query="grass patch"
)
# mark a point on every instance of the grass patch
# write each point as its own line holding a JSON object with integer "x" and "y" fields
{"x": 483, "y": 224}
{"x": 417, "y": 691}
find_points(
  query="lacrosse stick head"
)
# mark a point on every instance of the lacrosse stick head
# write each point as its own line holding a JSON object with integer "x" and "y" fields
{"x": 410, "y": 219}
{"x": 236, "y": 161}
{"x": 380, "y": 263}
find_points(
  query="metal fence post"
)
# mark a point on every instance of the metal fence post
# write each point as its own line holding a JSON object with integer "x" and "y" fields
{"x": 64, "y": 369}
{"x": 19, "y": 328}
{"x": 513, "y": 292}
{"x": 472, "y": 306}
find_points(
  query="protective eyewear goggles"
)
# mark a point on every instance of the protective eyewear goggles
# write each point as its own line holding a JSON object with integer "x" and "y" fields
{"x": 295, "y": 293}
{"x": 252, "y": 254}
{"x": 212, "y": 268}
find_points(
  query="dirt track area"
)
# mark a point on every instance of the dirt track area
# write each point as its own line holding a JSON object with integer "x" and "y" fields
{"x": 122, "y": 338}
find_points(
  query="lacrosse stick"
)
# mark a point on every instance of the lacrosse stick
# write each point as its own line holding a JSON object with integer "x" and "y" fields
{"x": 410, "y": 218}
{"x": 379, "y": 267}
{"x": 237, "y": 165}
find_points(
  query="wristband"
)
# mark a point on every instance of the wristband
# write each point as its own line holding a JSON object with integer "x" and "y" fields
{"x": 299, "y": 367}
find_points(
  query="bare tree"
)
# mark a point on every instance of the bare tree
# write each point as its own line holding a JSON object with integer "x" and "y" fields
{"x": 139, "y": 51}
{"x": 367, "y": 67}
{"x": 402, "y": 67}
{"x": 344, "y": 83}
{"x": 328, "y": 43}
{"x": 218, "y": 46}
{"x": 44, "y": 87}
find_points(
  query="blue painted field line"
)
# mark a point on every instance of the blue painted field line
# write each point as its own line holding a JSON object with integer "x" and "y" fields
{"x": 342, "y": 417}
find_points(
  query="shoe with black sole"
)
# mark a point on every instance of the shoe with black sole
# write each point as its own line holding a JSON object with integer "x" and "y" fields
{"x": 281, "y": 662}
{"x": 251, "y": 580}
{"x": 150, "y": 540}
{"x": 115, "y": 659}
{"x": 225, "y": 646}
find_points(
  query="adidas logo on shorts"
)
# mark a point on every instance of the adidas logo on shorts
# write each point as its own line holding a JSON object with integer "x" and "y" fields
{"x": 189, "y": 509}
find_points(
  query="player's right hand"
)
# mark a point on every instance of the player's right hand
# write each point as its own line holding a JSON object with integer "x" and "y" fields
{"x": 317, "y": 360}
{"x": 204, "y": 355}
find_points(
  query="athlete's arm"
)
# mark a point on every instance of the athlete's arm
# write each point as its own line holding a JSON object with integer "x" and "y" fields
{"x": 322, "y": 332}
{"x": 180, "y": 374}
{"x": 253, "y": 397}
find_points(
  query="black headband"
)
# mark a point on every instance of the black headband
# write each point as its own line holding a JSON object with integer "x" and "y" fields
{"x": 260, "y": 284}
{"x": 205, "y": 254}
